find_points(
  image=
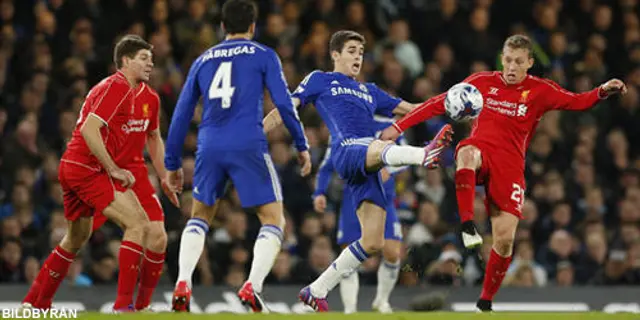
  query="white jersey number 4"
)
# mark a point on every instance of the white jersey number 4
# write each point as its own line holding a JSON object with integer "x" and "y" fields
{"x": 221, "y": 85}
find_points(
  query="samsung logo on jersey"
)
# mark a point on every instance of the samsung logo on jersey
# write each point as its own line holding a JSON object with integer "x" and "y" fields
{"x": 340, "y": 90}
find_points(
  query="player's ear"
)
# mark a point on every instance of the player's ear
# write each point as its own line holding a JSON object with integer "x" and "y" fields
{"x": 252, "y": 28}
{"x": 222, "y": 27}
{"x": 531, "y": 61}
{"x": 335, "y": 55}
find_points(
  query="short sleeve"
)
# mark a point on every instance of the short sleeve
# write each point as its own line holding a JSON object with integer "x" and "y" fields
{"x": 106, "y": 105}
{"x": 310, "y": 88}
{"x": 385, "y": 103}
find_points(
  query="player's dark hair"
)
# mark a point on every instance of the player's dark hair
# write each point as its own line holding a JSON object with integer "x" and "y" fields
{"x": 238, "y": 15}
{"x": 128, "y": 47}
{"x": 341, "y": 37}
{"x": 519, "y": 41}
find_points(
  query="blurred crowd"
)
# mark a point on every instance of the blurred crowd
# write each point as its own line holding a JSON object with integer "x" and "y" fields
{"x": 582, "y": 212}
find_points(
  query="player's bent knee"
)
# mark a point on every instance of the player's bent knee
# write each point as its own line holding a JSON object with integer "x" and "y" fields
{"x": 468, "y": 157}
{"x": 157, "y": 237}
{"x": 373, "y": 245}
{"x": 203, "y": 211}
{"x": 374, "y": 154}
{"x": 391, "y": 251}
{"x": 272, "y": 213}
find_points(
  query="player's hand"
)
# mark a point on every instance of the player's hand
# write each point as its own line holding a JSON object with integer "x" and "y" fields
{"x": 304, "y": 159}
{"x": 175, "y": 180}
{"x": 614, "y": 86}
{"x": 173, "y": 197}
{"x": 390, "y": 133}
{"x": 320, "y": 203}
{"x": 125, "y": 177}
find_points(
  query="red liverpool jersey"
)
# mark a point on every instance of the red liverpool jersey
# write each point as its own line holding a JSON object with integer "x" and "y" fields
{"x": 111, "y": 100}
{"x": 143, "y": 120}
{"x": 511, "y": 112}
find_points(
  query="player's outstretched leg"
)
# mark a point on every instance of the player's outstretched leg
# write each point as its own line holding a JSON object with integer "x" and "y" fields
{"x": 468, "y": 160}
{"x": 265, "y": 251}
{"x": 372, "y": 221}
{"x": 191, "y": 246}
{"x": 55, "y": 267}
{"x": 394, "y": 155}
{"x": 503, "y": 226}
{"x": 127, "y": 212}
{"x": 152, "y": 264}
{"x": 387, "y": 275}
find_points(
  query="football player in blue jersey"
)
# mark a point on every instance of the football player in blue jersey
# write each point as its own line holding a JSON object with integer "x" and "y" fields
{"x": 349, "y": 230}
{"x": 348, "y": 107}
{"x": 231, "y": 78}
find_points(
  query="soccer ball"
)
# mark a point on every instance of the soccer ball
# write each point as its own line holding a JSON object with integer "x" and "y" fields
{"x": 463, "y": 102}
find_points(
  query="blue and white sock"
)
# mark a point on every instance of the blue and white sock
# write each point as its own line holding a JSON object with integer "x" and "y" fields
{"x": 387, "y": 278}
{"x": 265, "y": 251}
{"x": 191, "y": 246}
{"x": 349, "y": 259}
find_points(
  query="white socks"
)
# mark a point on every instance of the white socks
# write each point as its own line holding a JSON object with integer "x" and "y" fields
{"x": 191, "y": 246}
{"x": 394, "y": 155}
{"x": 265, "y": 251}
{"x": 349, "y": 286}
{"x": 387, "y": 277}
{"x": 350, "y": 259}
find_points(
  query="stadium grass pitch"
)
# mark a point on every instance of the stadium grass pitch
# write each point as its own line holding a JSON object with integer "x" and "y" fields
{"x": 369, "y": 316}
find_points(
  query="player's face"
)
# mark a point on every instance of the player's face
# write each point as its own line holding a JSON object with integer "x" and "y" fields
{"x": 515, "y": 64}
{"x": 349, "y": 61}
{"x": 141, "y": 65}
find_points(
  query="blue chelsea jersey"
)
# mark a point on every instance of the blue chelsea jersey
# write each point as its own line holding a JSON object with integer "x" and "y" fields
{"x": 346, "y": 105}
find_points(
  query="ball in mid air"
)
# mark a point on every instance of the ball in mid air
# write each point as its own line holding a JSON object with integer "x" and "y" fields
{"x": 463, "y": 102}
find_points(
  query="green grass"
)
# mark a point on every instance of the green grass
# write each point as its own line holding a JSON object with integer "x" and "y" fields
{"x": 371, "y": 316}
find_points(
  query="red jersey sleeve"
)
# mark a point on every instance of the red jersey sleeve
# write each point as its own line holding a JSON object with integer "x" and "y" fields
{"x": 107, "y": 105}
{"x": 427, "y": 110}
{"x": 558, "y": 98}
{"x": 155, "y": 115}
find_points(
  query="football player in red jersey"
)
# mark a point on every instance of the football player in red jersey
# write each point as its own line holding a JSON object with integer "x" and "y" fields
{"x": 143, "y": 129}
{"x": 494, "y": 154}
{"x": 87, "y": 173}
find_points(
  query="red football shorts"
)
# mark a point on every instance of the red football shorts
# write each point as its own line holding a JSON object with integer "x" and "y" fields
{"x": 502, "y": 177}
{"x": 85, "y": 190}
{"x": 145, "y": 193}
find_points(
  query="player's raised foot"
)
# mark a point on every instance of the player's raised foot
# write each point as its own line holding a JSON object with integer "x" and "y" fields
{"x": 318, "y": 304}
{"x": 484, "y": 306}
{"x": 437, "y": 145}
{"x": 470, "y": 236}
{"x": 381, "y": 306}
{"x": 252, "y": 299}
{"x": 181, "y": 300}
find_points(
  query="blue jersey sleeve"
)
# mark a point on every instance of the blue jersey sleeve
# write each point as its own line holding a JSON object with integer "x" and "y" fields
{"x": 310, "y": 88}
{"x": 281, "y": 97}
{"x": 385, "y": 103}
{"x": 181, "y": 119}
{"x": 324, "y": 174}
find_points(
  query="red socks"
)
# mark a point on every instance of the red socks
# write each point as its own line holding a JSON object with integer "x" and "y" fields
{"x": 494, "y": 274}
{"x": 465, "y": 193}
{"x": 152, "y": 264}
{"x": 129, "y": 267}
{"x": 51, "y": 275}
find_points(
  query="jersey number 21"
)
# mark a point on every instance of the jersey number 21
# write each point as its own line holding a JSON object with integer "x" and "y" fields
{"x": 221, "y": 85}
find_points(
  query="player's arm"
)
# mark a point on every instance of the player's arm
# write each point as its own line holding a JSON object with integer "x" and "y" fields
{"x": 422, "y": 112}
{"x": 181, "y": 119}
{"x": 91, "y": 133}
{"x": 273, "y": 119}
{"x": 101, "y": 115}
{"x": 322, "y": 182}
{"x": 281, "y": 97}
{"x": 559, "y": 98}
